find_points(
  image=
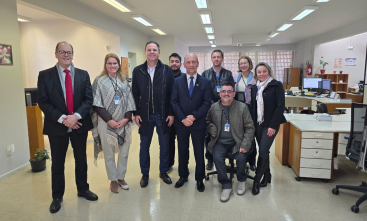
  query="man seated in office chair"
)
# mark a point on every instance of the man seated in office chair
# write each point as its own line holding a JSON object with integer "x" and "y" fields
{"x": 232, "y": 131}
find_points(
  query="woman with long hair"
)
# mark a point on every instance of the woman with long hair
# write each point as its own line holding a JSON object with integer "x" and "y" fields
{"x": 113, "y": 104}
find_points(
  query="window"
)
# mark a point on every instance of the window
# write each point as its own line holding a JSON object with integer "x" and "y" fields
{"x": 230, "y": 61}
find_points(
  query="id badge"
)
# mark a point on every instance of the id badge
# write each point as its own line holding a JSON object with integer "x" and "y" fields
{"x": 117, "y": 100}
{"x": 244, "y": 92}
{"x": 218, "y": 89}
{"x": 226, "y": 127}
{"x": 257, "y": 95}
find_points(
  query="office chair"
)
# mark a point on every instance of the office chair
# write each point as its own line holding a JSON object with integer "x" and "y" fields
{"x": 356, "y": 145}
{"x": 322, "y": 108}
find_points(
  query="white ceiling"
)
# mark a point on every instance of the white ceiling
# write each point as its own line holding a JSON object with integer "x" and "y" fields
{"x": 230, "y": 17}
{"x": 34, "y": 14}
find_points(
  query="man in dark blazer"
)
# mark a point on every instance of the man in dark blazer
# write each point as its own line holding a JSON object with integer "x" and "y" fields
{"x": 65, "y": 96}
{"x": 191, "y": 100}
{"x": 152, "y": 88}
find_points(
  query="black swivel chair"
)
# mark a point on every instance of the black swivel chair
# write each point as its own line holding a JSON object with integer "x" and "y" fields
{"x": 322, "y": 108}
{"x": 356, "y": 144}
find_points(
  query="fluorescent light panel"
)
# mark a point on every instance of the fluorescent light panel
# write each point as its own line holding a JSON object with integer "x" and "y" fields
{"x": 23, "y": 19}
{"x": 120, "y": 5}
{"x": 211, "y": 37}
{"x": 303, "y": 12}
{"x": 209, "y": 29}
{"x": 213, "y": 46}
{"x": 206, "y": 17}
{"x": 159, "y": 31}
{"x": 285, "y": 26}
{"x": 142, "y": 19}
{"x": 201, "y": 3}
{"x": 212, "y": 42}
{"x": 321, "y": 1}
{"x": 258, "y": 45}
{"x": 273, "y": 34}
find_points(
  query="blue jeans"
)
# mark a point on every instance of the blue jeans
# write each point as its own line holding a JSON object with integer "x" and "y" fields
{"x": 154, "y": 120}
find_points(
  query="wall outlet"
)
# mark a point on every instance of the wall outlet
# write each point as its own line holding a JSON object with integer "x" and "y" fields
{"x": 10, "y": 149}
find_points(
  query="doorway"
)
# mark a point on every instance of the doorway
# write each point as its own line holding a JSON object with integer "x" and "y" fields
{"x": 132, "y": 63}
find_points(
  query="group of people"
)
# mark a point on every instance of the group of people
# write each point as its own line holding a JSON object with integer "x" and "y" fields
{"x": 221, "y": 112}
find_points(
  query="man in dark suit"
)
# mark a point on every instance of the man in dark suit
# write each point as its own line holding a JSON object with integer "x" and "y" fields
{"x": 65, "y": 96}
{"x": 152, "y": 87}
{"x": 191, "y": 100}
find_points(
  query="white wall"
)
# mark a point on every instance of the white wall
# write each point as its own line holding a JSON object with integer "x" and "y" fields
{"x": 13, "y": 121}
{"x": 167, "y": 46}
{"x": 339, "y": 49}
{"x": 182, "y": 49}
{"x": 38, "y": 41}
{"x": 131, "y": 40}
{"x": 209, "y": 49}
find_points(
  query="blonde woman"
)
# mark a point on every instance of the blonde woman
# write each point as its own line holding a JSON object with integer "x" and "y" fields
{"x": 113, "y": 104}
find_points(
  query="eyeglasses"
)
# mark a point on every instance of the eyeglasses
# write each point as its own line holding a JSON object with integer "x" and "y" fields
{"x": 66, "y": 52}
{"x": 246, "y": 63}
{"x": 228, "y": 92}
{"x": 115, "y": 63}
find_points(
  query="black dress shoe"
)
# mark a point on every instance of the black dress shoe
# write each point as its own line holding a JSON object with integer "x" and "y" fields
{"x": 200, "y": 186}
{"x": 144, "y": 180}
{"x": 165, "y": 178}
{"x": 209, "y": 165}
{"x": 253, "y": 167}
{"x": 181, "y": 182}
{"x": 55, "y": 205}
{"x": 89, "y": 195}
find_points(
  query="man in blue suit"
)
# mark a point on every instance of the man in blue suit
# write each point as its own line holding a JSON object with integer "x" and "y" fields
{"x": 191, "y": 99}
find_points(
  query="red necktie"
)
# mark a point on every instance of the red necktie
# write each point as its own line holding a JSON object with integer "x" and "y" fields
{"x": 69, "y": 92}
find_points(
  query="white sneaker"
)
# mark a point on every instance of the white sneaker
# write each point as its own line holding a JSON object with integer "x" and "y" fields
{"x": 226, "y": 194}
{"x": 241, "y": 188}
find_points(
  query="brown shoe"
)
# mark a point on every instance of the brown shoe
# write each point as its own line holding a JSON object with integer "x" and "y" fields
{"x": 114, "y": 187}
{"x": 123, "y": 184}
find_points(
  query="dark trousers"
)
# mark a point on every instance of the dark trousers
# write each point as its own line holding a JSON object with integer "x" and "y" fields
{"x": 197, "y": 138}
{"x": 251, "y": 158}
{"x": 172, "y": 147}
{"x": 59, "y": 146}
{"x": 264, "y": 142}
{"x": 154, "y": 121}
{"x": 220, "y": 152}
{"x": 208, "y": 155}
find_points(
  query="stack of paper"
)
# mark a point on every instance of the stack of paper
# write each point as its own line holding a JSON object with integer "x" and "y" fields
{"x": 322, "y": 117}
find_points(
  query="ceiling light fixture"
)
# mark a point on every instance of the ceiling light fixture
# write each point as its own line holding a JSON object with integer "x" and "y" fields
{"x": 285, "y": 26}
{"x": 210, "y": 37}
{"x": 120, "y": 5}
{"x": 258, "y": 45}
{"x": 321, "y": 1}
{"x": 201, "y": 3}
{"x": 206, "y": 17}
{"x": 303, "y": 12}
{"x": 142, "y": 19}
{"x": 159, "y": 31}
{"x": 209, "y": 29}
{"x": 213, "y": 46}
{"x": 23, "y": 19}
{"x": 360, "y": 34}
{"x": 273, "y": 34}
{"x": 212, "y": 42}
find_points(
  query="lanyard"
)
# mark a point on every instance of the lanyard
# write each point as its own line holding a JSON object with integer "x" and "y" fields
{"x": 244, "y": 81}
{"x": 114, "y": 83}
{"x": 226, "y": 115}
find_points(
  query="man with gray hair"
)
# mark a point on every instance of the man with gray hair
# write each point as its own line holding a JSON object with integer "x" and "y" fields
{"x": 65, "y": 96}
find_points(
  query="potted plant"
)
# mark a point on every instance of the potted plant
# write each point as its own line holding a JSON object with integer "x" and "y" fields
{"x": 323, "y": 63}
{"x": 334, "y": 72}
{"x": 340, "y": 72}
{"x": 38, "y": 162}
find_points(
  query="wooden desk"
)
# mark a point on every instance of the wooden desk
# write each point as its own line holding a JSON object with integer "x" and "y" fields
{"x": 303, "y": 101}
{"x": 35, "y": 129}
{"x": 356, "y": 98}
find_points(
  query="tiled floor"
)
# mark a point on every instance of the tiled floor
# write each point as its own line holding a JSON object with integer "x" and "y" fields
{"x": 27, "y": 195}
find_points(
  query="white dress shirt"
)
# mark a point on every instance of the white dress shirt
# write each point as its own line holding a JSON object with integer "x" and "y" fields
{"x": 189, "y": 79}
{"x": 151, "y": 72}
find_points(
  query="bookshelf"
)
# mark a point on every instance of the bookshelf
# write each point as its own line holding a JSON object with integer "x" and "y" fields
{"x": 336, "y": 86}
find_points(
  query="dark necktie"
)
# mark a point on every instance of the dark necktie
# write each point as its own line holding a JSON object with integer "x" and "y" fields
{"x": 191, "y": 88}
{"x": 69, "y": 92}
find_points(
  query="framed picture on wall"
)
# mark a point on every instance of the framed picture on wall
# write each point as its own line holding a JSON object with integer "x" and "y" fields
{"x": 6, "y": 56}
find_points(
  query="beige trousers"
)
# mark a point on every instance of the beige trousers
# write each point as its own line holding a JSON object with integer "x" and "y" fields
{"x": 113, "y": 172}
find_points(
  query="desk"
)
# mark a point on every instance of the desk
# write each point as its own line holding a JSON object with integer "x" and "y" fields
{"x": 303, "y": 101}
{"x": 282, "y": 138}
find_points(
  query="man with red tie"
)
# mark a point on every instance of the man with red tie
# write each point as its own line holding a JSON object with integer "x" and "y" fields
{"x": 65, "y": 96}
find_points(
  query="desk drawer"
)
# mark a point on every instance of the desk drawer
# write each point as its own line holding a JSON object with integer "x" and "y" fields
{"x": 316, "y": 153}
{"x": 341, "y": 138}
{"x": 317, "y": 144}
{"x": 316, "y": 163}
{"x": 317, "y": 135}
{"x": 315, "y": 173}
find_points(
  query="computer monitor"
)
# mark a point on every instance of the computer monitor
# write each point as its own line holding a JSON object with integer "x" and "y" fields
{"x": 311, "y": 83}
{"x": 31, "y": 96}
{"x": 326, "y": 84}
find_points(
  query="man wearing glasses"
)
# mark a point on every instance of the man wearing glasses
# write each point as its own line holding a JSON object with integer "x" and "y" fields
{"x": 231, "y": 130}
{"x": 65, "y": 96}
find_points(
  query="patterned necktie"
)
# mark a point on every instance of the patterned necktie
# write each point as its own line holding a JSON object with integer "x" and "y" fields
{"x": 191, "y": 88}
{"x": 69, "y": 92}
